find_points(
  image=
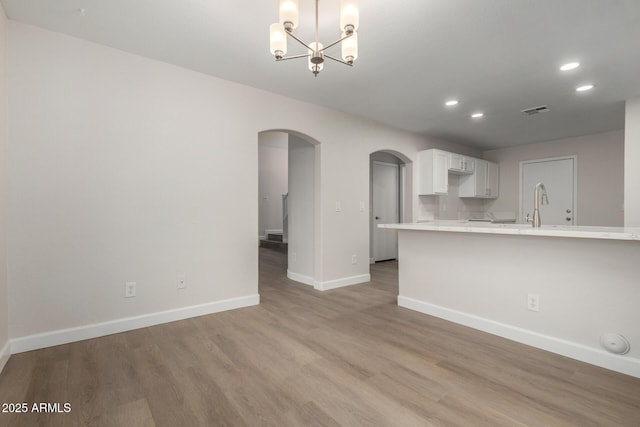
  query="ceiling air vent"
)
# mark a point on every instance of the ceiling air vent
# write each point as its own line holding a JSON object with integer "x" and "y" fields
{"x": 536, "y": 110}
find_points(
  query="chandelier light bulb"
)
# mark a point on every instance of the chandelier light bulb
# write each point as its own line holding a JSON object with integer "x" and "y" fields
{"x": 316, "y": 58}
{"x": 350, "y": 48}
{"x": 277, "y": 40}
{"x": 289, "y": 14}
{"x": 349, "y": 16}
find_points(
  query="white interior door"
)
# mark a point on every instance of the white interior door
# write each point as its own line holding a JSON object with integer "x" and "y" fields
{"x": 558, "y": 177}
{"x": 386, "y": 206}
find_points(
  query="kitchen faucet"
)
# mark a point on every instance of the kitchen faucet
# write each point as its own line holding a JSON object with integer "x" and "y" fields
{"x": 537, "y": 200}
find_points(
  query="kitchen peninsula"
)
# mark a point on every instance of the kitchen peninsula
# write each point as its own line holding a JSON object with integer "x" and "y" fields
{"x": 563, "y": 289}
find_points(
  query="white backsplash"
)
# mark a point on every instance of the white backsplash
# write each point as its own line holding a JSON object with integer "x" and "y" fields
{"x": 448, "y": 207}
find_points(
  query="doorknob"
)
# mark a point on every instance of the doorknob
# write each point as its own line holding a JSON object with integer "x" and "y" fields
{"x": 377, "y": 217}
{"x": 568, "y": 210}
{"x": 568, "y": 218}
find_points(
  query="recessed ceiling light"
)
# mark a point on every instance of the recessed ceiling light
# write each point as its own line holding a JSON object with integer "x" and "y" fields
{"x": 451, "y": 103}
{"x": 477, "y": 115}
{"x": 570, "y": 66}
{"x": 584, "y": 88}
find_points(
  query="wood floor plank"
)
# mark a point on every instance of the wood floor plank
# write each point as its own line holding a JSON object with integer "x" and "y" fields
{"x": 345, "y": 357}
{"x": 309, "y": 415}
{"x": 135, "y": 413}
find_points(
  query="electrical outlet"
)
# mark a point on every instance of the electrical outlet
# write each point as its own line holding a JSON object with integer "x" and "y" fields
{"x": 338, "y": 207}
{"x": 354, "y": 259}
{"x": 181, "y": 281}
{"x": 361, "y": 206}
{"x": 130, "y": 289}
{"x": 293, "y": 257}
{"x": 533, "y": 302}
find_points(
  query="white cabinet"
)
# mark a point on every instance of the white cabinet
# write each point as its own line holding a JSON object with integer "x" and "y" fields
{"x": 493, "y": 177}
{"x": 433, "y": 172}
{"x": 483, "y": 183}
{"x": 460, "y": 164}
{"x": 478, "y": 178}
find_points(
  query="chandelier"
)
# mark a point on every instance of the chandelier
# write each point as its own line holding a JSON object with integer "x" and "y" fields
{"x": 316, "y": 52}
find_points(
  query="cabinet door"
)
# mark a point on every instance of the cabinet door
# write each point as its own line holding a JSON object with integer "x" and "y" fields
{"x": 433, "y": 172}
{"x": 468, "y": 186}
{"x": 493, "y": 179}
{"x": 440, "y": 172}
{"x": 483, "y": 183}
{"x": 469, "y": 164}
{"x": 456, "y": 161}
{"x": 474, "y": 185}
{"x": 481, "y": 178}
{"x": 460, "y": 164}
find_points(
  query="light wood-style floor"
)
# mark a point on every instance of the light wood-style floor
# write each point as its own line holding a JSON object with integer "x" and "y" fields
{"x": 347, "y": 357}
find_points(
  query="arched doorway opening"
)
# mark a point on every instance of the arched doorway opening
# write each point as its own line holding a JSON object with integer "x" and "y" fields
{"x": 289, "y": 199}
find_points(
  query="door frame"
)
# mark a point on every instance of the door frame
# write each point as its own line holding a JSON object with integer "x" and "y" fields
{"x": 574, "y": 209}
{"x": 400, "y": 179}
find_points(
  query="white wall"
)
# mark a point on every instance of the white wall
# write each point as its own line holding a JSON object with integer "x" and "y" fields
{"x": 600, "y": 174}
{"x": 273, "y": 172}
{"x": 4, "y": 291}
{"x": 117, "y": 174}
{"x": 631, "y": 162}
{"x": 302, "y": 210}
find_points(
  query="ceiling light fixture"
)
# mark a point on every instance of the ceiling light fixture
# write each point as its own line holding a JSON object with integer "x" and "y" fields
{"x": 477, "y": 115}
{"x": 584, "y": 88}
{"x": 569, "y": 66}
{"x": 451, "y": 103}
{"x": 349, "y": 21}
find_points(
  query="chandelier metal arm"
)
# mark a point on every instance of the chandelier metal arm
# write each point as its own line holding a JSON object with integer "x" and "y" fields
{"x": 337, "y": 60}
{"x": 336, "y": 42}
{"x": 284, "y": 58}
{"x": 297, "y": 39}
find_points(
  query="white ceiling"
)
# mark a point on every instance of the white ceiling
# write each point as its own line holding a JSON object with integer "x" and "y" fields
{"x": 498, "y": 56}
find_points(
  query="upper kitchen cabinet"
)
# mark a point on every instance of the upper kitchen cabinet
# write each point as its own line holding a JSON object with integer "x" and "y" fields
{"x": 493, "y": 177}
{"x": 460, "y": 164}
{"x": 433, "y": 172}
{"x": 483, "y": 183}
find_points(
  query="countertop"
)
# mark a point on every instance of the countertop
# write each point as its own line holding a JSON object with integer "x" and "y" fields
{"x": 574, "y": 231}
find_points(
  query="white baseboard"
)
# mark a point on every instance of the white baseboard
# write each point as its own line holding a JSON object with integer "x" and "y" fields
{"x": 345, "y": 281}
{"x": 5, "y": 353}
{"x": 273, "y": 231}
{"x": 301, "y": 278}
{"x": 330, "y": 284}
{"x": 64, "y": 336}
{"x": 592, "y": 355}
